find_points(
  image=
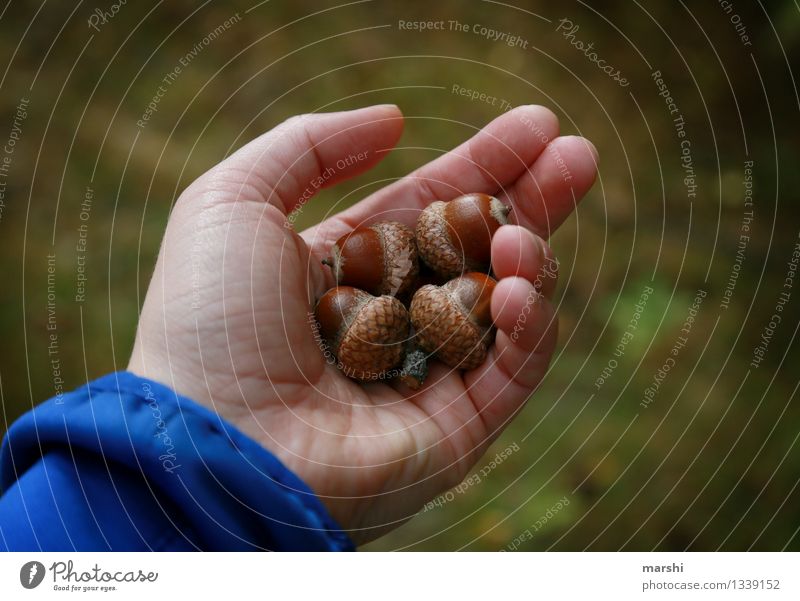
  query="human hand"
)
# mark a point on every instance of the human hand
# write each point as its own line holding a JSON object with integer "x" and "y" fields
{"x": 226, "y": 317}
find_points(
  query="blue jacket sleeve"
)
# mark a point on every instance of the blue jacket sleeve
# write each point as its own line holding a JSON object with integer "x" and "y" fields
{"x": 126, "y": 464}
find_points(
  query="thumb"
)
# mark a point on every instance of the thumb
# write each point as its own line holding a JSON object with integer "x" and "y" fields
{"x": 289, "y": 164}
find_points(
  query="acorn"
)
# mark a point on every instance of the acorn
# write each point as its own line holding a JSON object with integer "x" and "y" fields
{"x": 456, "y": 237}
{"x": 365, "y": 333}
{"x": 380, "y": 258}
{"x": 454, "y": 321}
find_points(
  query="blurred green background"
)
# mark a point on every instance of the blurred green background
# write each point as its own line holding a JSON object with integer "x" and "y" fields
{"x": 711, "y": 463}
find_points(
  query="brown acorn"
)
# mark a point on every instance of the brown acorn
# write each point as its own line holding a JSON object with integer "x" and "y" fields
{"x": 454, "y": 321}
{"x": 366, "y": 334}
{"x": 456, "y": 237}
{"x": 380, "y": 258}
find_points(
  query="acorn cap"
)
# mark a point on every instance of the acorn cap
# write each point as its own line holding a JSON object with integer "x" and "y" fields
{"x": 433, "y": 241}
{"x": 335, "y": 312}
{"x": 444, "y": 328}
{"x": 373, "y": 342}
{"x": 401, "y": 266}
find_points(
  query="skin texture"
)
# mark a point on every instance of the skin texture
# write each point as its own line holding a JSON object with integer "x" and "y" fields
{"x": 225, "y": 319}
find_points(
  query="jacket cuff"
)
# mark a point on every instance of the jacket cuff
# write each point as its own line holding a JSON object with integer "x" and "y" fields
{"x": 231, "y": 491}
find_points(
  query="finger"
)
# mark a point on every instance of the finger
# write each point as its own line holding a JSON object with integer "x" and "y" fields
{"x": 493, "y": 158}
{"x": 544, "y": 196}
{"x": 527, "y": 330}
{"x": 289, "y": 164}
{"x": 516, "y": 251}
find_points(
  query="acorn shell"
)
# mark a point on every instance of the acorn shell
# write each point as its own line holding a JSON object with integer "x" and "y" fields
{"x": 372, "y": 332}
{"x": 380, "y": 258}
{"x": 445, "y": 327}
{"x": 456, "y": 237}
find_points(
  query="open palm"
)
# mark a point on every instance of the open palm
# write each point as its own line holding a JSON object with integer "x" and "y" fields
{"x": 227, "y": 318}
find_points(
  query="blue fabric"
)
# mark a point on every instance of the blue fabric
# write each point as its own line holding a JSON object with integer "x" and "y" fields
{"x": 126, "y": 464}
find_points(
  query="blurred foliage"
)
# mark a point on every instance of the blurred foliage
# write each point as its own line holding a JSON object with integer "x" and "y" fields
{"x": 711, "y": 463}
